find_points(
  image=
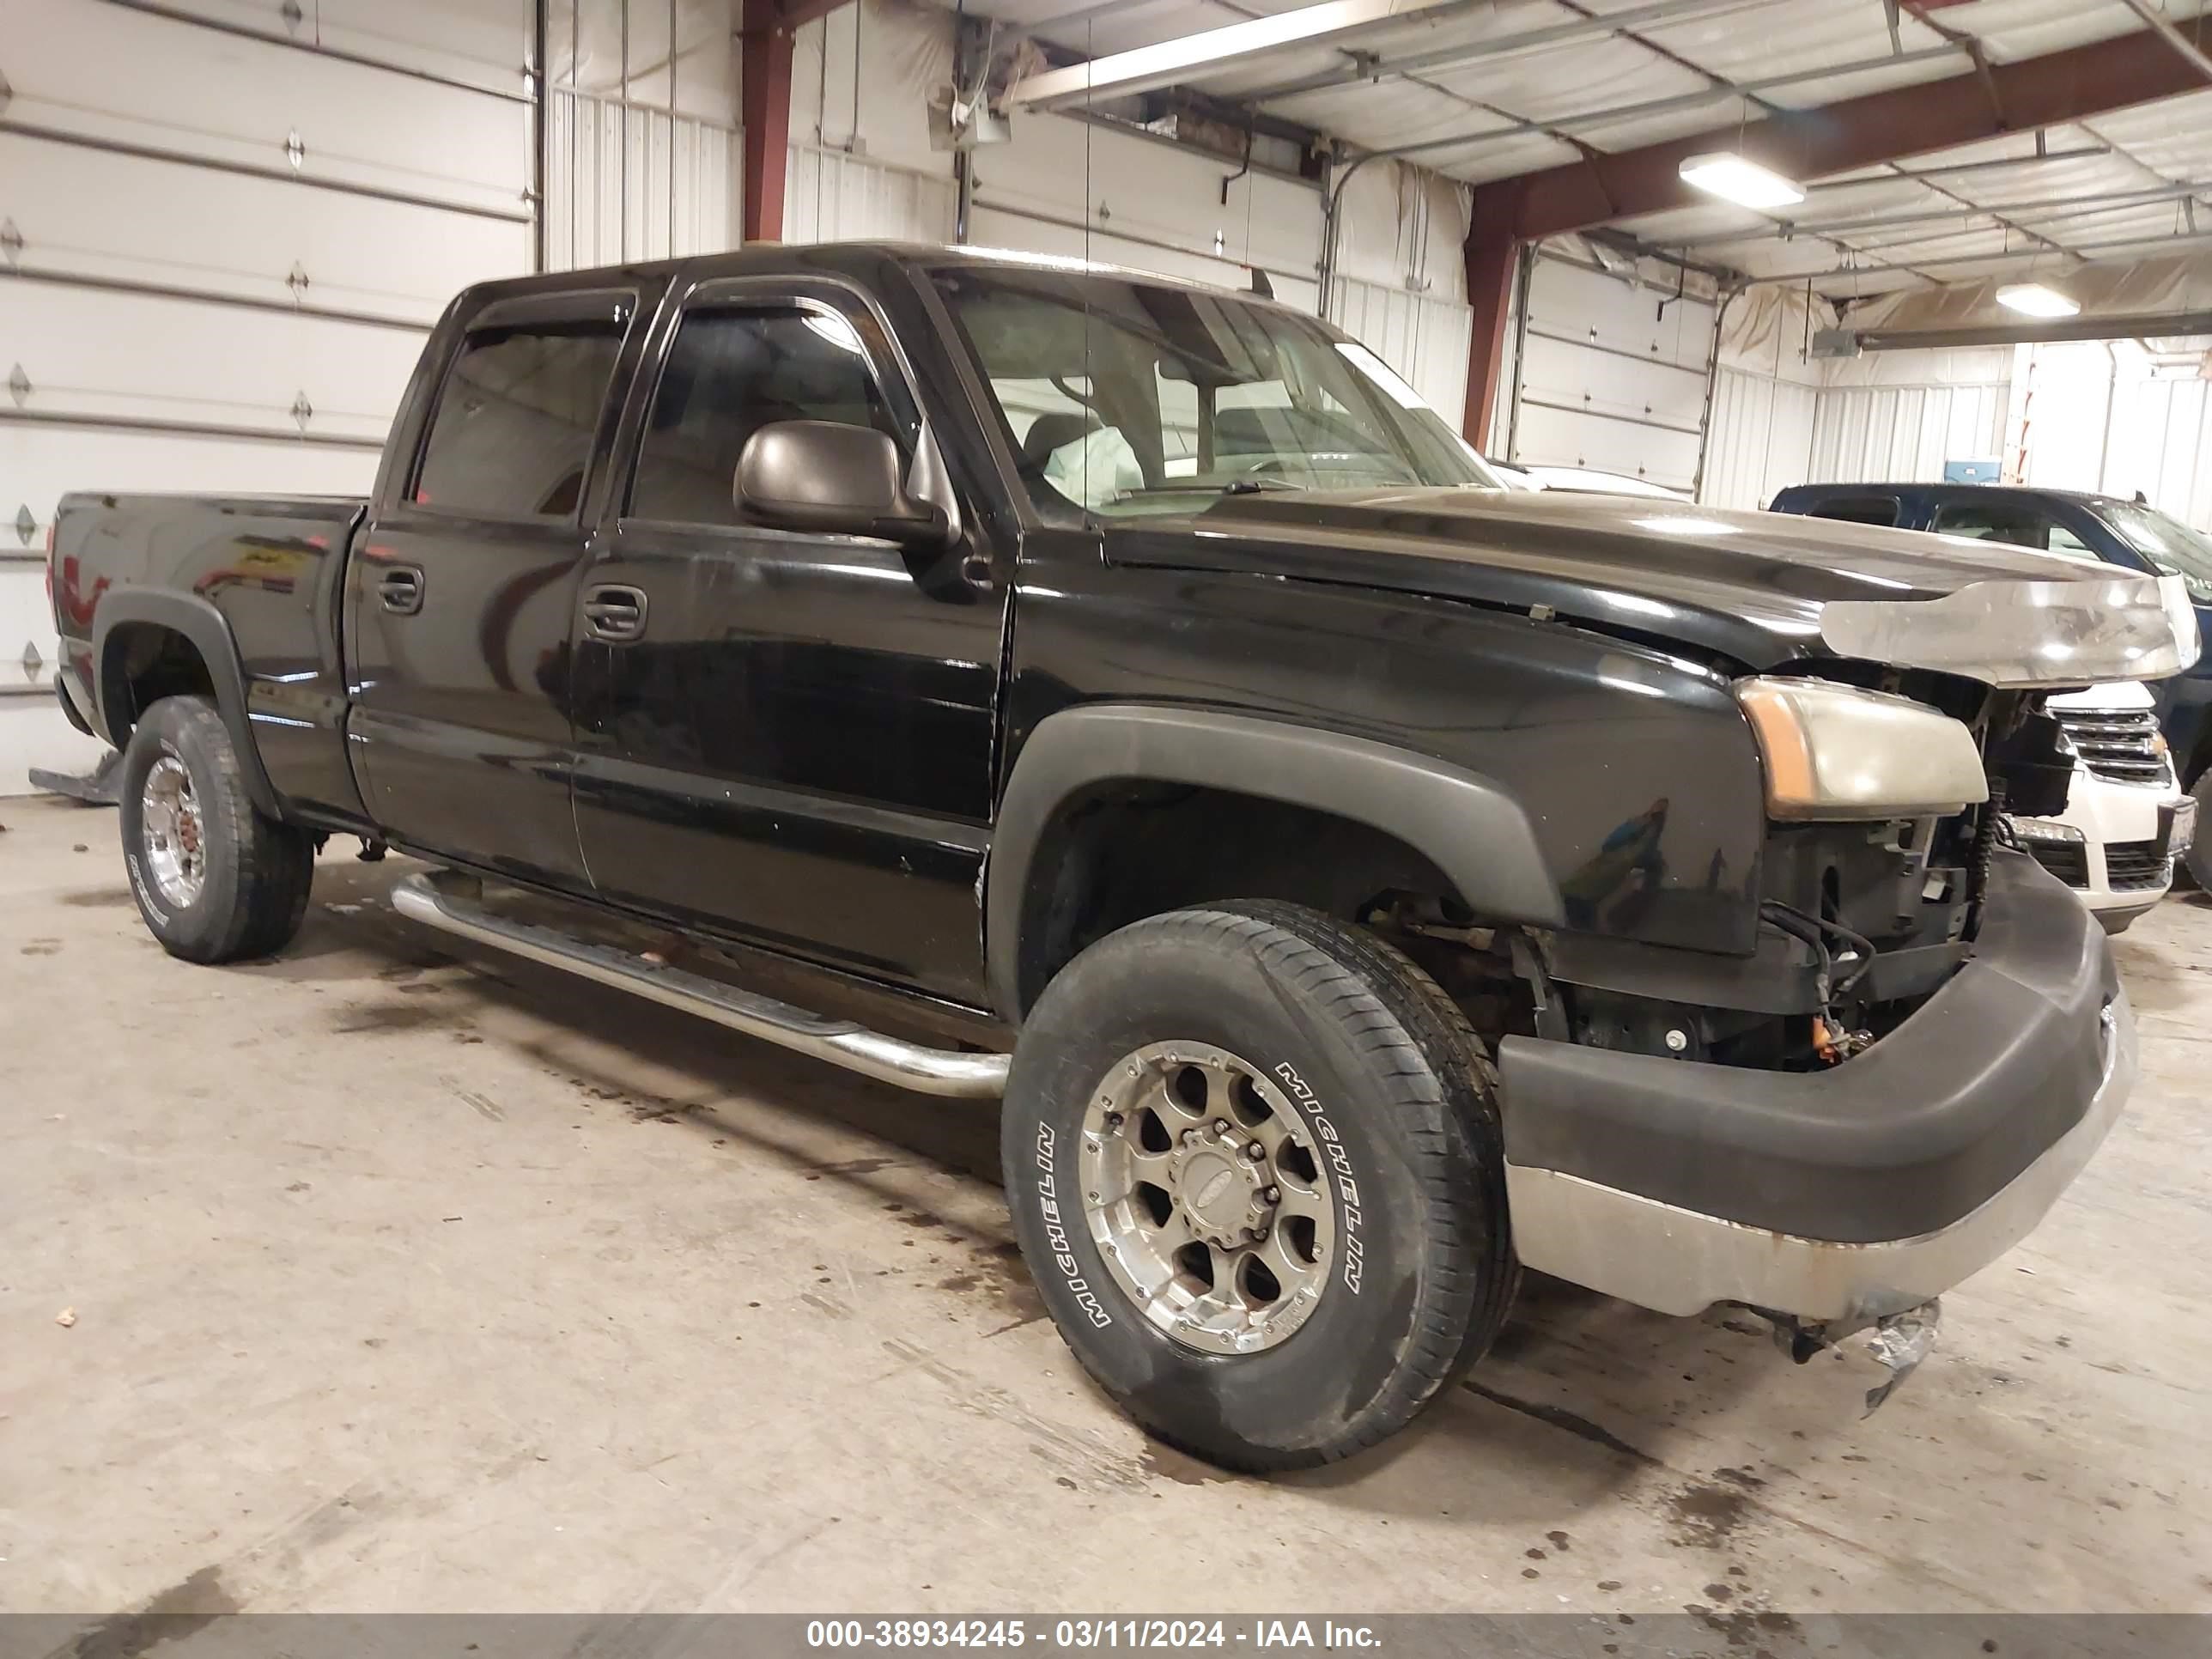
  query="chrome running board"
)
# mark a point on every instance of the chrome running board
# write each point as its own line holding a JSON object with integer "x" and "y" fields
{"x": 839, "y": 1042}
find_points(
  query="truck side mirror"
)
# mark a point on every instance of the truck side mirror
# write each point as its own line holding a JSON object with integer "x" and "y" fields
{"x": 834, "y": 479}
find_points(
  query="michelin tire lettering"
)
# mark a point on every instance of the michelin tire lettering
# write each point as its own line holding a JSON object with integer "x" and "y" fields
{"x": 1056, "y": 1231}
{"x": 1339, "y": 1168}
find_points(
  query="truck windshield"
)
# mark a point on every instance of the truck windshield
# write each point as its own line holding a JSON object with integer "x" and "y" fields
{"x": 2172, "y": 548}
{"x": 1122, "y": 397}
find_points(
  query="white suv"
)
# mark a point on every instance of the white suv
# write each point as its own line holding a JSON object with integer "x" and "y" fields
{"x": 2126, "y": 818}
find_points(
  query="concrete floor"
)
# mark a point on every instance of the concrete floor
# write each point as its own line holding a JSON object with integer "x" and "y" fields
{"x": 403, "y": 1284}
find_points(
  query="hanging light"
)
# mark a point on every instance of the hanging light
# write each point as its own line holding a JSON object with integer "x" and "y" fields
{"x": 2034, "y": 300}
{"x": 1727, "y": 175}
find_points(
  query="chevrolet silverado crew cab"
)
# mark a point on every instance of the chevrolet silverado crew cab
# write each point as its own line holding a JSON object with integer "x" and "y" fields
{"x": 1359, "y": 881}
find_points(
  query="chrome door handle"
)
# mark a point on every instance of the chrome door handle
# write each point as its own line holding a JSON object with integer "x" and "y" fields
{"x": 615, "y": 613}
{"x": 400, "y": 590}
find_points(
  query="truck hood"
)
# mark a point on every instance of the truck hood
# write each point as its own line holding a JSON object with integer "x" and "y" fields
{"x": 1761, "y": 588}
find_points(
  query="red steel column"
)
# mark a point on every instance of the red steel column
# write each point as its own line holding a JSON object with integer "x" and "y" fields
{"x": 765, "y": 108}
{"x": 1490, "y": 256}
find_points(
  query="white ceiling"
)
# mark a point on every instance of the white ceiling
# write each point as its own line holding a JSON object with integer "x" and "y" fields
{"x": 1497, "y": 88}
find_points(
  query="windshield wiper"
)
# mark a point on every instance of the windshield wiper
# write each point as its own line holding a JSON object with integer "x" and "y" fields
{"x": 1255, "y": 486}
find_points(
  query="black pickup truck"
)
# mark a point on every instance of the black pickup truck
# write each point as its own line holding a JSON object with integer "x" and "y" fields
{"x": 1358, "y": 881}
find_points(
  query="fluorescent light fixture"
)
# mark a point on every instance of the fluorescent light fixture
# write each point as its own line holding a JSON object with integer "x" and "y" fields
{"x": 1166, "y": 63}
{"x": 1729, "y": 176}
{"x": 2036, "y": 301}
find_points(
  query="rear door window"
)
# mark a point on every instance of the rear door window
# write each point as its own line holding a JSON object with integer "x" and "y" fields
{"x": 1857, "y": 509}
{"x": 511, "y": 437}
{"x": 1996, "y": 521}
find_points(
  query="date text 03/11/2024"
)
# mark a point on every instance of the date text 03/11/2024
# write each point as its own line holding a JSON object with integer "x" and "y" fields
{"x": 1087, "y": 1633}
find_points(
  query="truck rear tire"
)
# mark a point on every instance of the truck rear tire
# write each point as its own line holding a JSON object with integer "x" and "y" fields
{"x": 1253, "y": 1162}
{"x": 214, "y": 880}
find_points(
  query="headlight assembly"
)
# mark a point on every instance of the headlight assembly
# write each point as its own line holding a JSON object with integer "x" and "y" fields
{"x": 1835, "y": 751}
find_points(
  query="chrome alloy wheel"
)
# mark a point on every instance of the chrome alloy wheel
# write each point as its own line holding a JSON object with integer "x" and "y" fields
{"x": 1204, "y": 1192}
{"x": 169, "y": 815}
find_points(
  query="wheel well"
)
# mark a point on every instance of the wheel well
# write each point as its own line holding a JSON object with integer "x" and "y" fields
{"x": 2194, "y": 764}
{"x": 1121, "y": 851}
{"x": 144, "y": 663}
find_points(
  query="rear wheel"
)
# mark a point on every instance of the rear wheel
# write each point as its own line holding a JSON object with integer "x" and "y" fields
{"x": 1253, "y": 1157}
{"x": 216, "y": 881}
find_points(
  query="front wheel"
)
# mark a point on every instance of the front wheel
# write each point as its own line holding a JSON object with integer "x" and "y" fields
{"x": 216, "y": 881}
{"x": 2198, "y": 859}
{"x": 1253, "y": 1162}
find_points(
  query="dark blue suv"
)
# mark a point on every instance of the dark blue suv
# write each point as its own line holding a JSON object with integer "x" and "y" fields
{"x": 2100, "y": 529}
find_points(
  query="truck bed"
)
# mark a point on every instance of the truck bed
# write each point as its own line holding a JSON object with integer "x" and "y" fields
{"x": 250, "y": 559}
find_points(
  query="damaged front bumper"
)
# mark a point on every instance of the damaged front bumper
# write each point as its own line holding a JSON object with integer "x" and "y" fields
{"x": 1844, "y": 1197}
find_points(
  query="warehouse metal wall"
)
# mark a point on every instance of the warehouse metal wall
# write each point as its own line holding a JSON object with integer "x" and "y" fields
{"x": 1761, "y": 438}
{"x": 2161, "y": 444}
{"x": 1612, "y": 374}
{"x": 643, "y": 159}
{"x": 628, "y": 181}
{"x": 1423, "y": 338}
{"x": 862, "y": 164}
{"x": 1905, "y": 432}
{"x": 836, "y": 196}
{"x": 224, "y": 233}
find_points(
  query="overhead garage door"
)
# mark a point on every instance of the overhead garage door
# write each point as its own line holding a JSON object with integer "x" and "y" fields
{"x": 1610, "y": 377}
{"x": 281, "y": 198}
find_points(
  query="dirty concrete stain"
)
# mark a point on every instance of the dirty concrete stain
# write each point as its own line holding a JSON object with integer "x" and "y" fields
{"x": 1172, "y": 1465}
{"x": 1705, "y": 1516}
{"x": 377, "y": 1019}
{"x": 42, "y": 947}
{"x": 177, "y": 1611}
{"x": 1560, "y": 1417}
{"x": 858, "y": 1166}
{"x": 1742, "y": 1627}
{"x": 1559, "y": 1540}
{"x": 98, "y": 898}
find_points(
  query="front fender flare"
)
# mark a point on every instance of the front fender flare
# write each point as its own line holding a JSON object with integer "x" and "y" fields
{"x": 1464, "y": 823}
{"x": 200, "y": 622}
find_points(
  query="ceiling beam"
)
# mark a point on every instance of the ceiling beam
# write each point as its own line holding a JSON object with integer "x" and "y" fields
{"x": 2154, "y": 325}
{"x": 1857, "y": 132}
{"x": 2040, "y": 210}
{"x": 2191, "y": 52}
{"x": 1986, "y": 265}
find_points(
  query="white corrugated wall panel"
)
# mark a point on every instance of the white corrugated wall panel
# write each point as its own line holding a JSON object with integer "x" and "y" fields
{"x": 609, "y": 192}
{"x": 1760, "y": 439}
{"x": 1904, "y": 433}
{"x": 836, "y": 196}
{"x": 2162, "y": 446}
{"x": 1425, "y": 339}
